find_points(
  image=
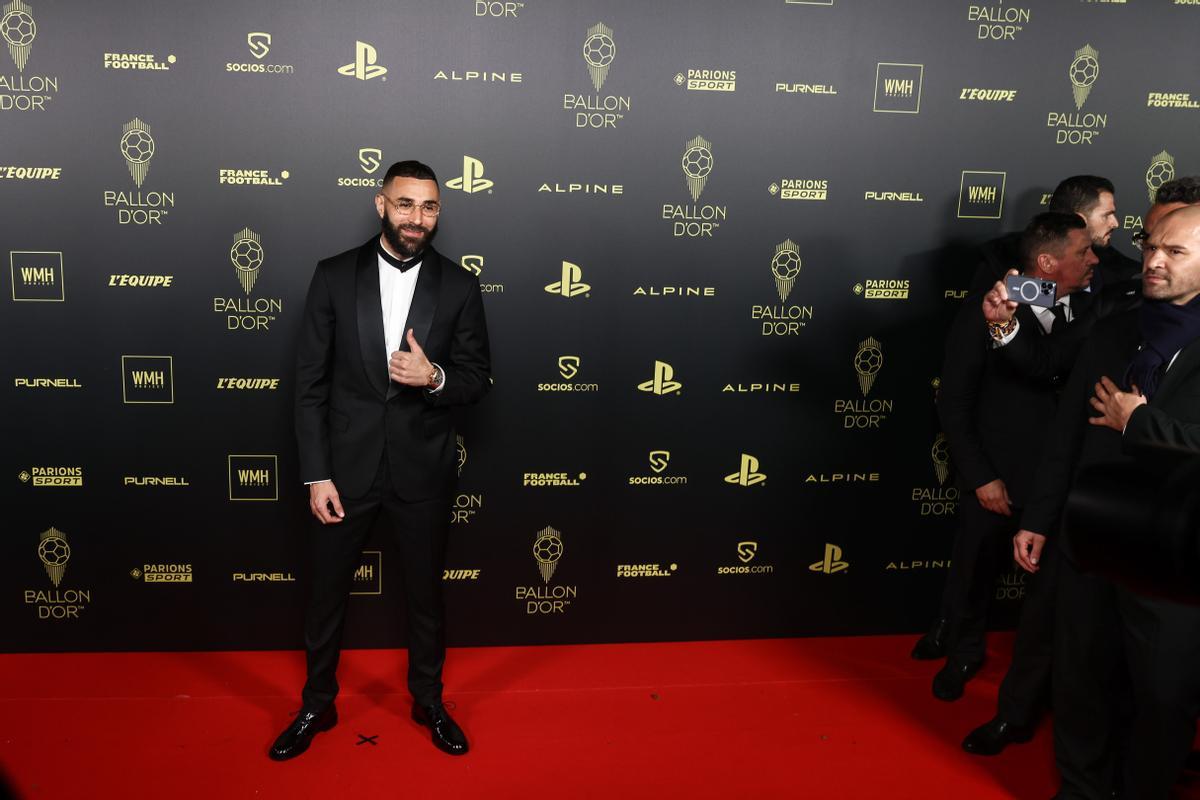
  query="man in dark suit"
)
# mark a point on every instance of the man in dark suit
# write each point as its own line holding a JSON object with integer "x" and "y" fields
{"x": 1141, "y": 370}
{"x": 986, "y": 407}
{"x": 393, "y": 336}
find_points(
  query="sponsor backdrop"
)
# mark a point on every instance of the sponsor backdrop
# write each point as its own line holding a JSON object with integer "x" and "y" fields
{"x": 719, "y": 244}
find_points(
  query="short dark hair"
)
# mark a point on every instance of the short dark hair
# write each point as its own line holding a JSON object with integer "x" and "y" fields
{"x": 1180, "y": 190}
{"x": 1047, "y": 231}
{"x": 409, "y": 169}
{"x": 1078, "y": 194}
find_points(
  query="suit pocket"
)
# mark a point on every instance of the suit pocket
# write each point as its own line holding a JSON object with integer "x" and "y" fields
{"x": 338, "y": 421}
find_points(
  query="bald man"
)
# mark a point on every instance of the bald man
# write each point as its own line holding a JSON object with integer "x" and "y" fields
{"x": 1137, "y": 383}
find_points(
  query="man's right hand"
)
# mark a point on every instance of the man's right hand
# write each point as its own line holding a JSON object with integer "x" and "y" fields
{"x": 993, "y": 496}
{"x": 996, "y": 305}
{"x": 1027, "y": 549}
{"x": 322, "y": 497}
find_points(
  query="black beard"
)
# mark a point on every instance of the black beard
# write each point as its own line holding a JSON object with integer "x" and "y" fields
{"x": 401, "y": 246}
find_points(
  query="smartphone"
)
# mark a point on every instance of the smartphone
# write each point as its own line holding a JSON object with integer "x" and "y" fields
{"x": 1031, "y": 291}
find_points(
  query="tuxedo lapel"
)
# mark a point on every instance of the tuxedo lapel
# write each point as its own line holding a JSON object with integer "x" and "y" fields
{"x": 370, "y": 318}
{"x": 1184, "y": 367}
{"x": 425, "y": 299}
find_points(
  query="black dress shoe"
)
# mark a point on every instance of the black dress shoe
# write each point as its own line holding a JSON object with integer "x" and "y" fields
{"x": 951, "y": 679}
{"x": 298, "y": 736}
{"x": 992, "y": 737}
{"x": 447, "y": 736}
{"x": 933, "y": 644}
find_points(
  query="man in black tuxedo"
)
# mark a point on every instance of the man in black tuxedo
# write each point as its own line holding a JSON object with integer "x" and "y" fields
{"x": 986, "y": 407}
{"x": 1140, "y": 372}
{"x": 393, "y": 337}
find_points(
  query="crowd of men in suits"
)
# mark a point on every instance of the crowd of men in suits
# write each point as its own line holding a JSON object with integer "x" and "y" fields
{"x": 1030, "y": 396}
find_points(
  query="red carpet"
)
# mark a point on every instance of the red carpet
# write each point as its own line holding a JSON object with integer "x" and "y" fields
{"x": 795, "y": 718}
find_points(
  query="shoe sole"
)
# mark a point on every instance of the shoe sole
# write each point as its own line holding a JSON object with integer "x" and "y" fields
{"x": 1025, "y": 739}
{"x": 324, "y": 727}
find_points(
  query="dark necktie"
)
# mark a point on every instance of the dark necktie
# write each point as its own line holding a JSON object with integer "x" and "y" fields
{"x": 1060, "y": 317}
{"x": 403, "y": 266}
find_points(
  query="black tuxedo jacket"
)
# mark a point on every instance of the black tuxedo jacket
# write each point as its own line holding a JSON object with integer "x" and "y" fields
{"x": 344, "y": 417}
{"x": 1171, "y": 419}
{"x": 1052, "y": 357}
{"x": 994, "y": 416}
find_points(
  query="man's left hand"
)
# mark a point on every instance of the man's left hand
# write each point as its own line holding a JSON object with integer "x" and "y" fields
{"x": 1115, "y": 406}
{"x": 412, "y": 368}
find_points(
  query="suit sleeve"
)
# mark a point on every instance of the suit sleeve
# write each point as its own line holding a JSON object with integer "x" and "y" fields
{"x": 314, "y": 362}
{"x": 1149, "y": 427}
{"x": 1052, "y": 479}
{"x": 962, "y": 373}
{"x": 469, "y": 367}
{"x": 1042, "y": 358}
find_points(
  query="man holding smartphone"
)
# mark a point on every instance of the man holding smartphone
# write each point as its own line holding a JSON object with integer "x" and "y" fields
{"x": 988, "y": 410}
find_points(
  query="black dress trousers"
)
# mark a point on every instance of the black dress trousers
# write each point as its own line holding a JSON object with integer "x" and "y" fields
{"x": 421, "y": 530}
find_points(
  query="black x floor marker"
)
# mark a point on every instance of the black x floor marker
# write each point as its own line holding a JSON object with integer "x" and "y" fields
{"x": 367, "y": 740}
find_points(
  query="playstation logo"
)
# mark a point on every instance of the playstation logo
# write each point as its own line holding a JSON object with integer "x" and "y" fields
{"x": 570, "y": 285}
{"x": 472, "y": 179}
{"x": 832, "y": 562}
{"x": 364, "y": 67}
{"x": 663, "y": 381}
{"x": 747, "y": 474}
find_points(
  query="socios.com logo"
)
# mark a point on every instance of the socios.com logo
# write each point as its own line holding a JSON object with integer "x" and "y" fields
{"x": 259, "y": 43}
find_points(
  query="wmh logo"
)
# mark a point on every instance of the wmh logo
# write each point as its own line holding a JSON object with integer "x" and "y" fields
{"x": 147, "y": 379}
{"x": 368, "y": 576}
{"x": 253, "y": 477}
{"x": 37, "y": 276}
{"x": 981, "y": 194}
{"x": 898, "y": 88}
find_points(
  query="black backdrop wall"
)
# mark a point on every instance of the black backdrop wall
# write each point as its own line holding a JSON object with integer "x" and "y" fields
{"x": 720, "y": 243}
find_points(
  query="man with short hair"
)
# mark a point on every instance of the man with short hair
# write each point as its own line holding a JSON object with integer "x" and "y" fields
{"x": 393, "y": 337}
{"x": 1094, "y": 198}
{"x": 1171, "y": 195}
{"x": 1140, "y": 371}
{"x": 985, "y": 408}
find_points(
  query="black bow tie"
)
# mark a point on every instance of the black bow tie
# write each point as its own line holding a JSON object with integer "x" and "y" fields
{"x": 403, "y": 266}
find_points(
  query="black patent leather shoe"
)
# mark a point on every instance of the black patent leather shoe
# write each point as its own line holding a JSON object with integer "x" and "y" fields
{"x": 298, "y": 736}
{"x": 951, "y": 679}
{"x": 933, "y": 644}
{"x": 447, "y": 736}
{"x": 992, "y": 737}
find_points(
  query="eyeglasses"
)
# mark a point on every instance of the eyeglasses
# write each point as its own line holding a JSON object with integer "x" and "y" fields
{"x": 405, "y": 206}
